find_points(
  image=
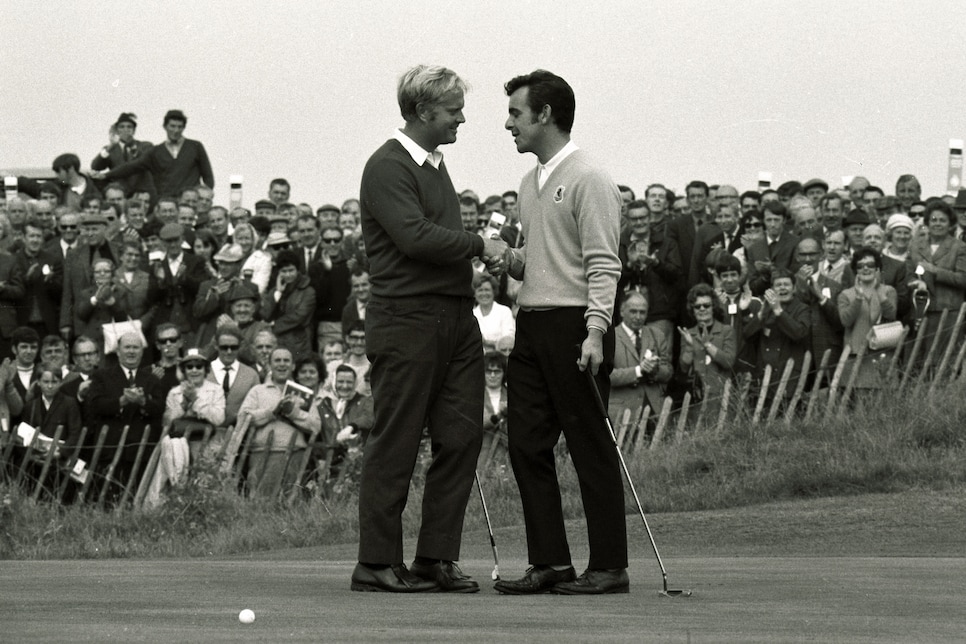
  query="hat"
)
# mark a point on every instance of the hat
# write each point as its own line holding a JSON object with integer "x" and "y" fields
{"x": 815, "y": 183}
{"x": 900, "y": 220}
{"x": 277, "y": 217}
{"x": 229, "y": 253}
{"x": 127, "y": 117}
{"x": 265, "y": 203}
{"x": 960, "y": 203}
{"x": 243, "y": 291}
{"x": 65, "y": 161}
{"x": 170, "y": 230}
{"x": 92, "y": 218}
{"x": 328, "y": 207}
{"x": 856, "y": 217}
{"x": 884, "y": 203}
{"x": 277, "y": 239}
{"x": 193, "y": 355}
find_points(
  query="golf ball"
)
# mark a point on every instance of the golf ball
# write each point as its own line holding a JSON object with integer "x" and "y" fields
{"x": 247, "y": 616}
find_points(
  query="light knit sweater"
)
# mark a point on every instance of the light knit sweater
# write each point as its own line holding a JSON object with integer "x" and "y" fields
{"x": 572, "y": 229}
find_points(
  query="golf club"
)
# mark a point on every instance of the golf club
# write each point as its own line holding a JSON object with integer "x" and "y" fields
{"x": 630, "y": 483}
{"x": 495, "y": 575}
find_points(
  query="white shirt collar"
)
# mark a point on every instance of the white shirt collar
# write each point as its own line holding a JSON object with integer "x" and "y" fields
{"x": 416, "y": 151}
{"x": 551, "y": 165}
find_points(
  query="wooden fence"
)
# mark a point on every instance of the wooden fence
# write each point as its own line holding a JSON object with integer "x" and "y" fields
{"x": 57, "y": 475}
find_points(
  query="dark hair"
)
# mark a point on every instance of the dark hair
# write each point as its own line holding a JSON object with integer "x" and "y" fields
{"x": 549, "y": 89}
{"x": 479, "y": 279}
{"x": 698, "y": 184}
{"x": 358, "y": 325}
{"x": 779, "y": 273}
{"x": 940, "y": 205}
{"x": 861, "y": 254}
{"x": 285, "y": 258}
{"x": 165, "y": 326}
{"x": 790, "y": 188}
{"x": 622, "y": 188}
{"x": 315, "y": 360}
{"x": 727, "y": 262}
{"x": 280, "y": 182}
{"x": 510, "y": 193}
{"x": 151, "y": 228}
{"x": 874, "y": 189}
{"x": 175, "y": 115}
{"x": 53, "y": 341}
{"x": 494, "y": 358}
{"x": 775, "y": 208}
{"x": 50, "y": 186}
{"x": 636, "y": 204}
{"x": 24, "y": 335}
{"x": 344, "y": 368}
{"x": 66, "y": 162}
{"x": 314, "y": 221}
{"x": 207, "y": 238}
{"x": 704, "y": 290}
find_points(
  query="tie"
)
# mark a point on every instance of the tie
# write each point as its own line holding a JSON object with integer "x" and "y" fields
{"x": 130, "y": 378}
{"x": 127, "y": 153}
{"x": 225, "y": 384}
{"x": 308, "y": 258}
{"x": 637, "y": 343}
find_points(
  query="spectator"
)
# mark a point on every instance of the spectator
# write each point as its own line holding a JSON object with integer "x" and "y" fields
{"x": 683, "y": 228}
{"x": 12, "y": 296}
{"x": 86, "y": 355}
{"x": 332, "y": 351}
{"x": 741, "y": 310}
{"x": 211, "y": 303}
{"x": 908, "y": 191}
{"x": 355, "y": 307}
{"x": 750, "y": 229}
{"x": 135, "y": 288}
{"x": 43, "y": 273}
{"x": 347, "y": 415}
{"x": 943, "y": 261}
{"x": 77, "y": 186}
{"x": 99, "y": 304}
{"x": 178, "y": 275}
{"x": 774, "y": 251}
{"x": 835, "y": 266}
{"x": 893, "y": 271}
{"x": 784, "y": 333}
{"x": 265, "y": 343}
{"x": 642, "y": 362}
{"x": 311, "y": 372}
{"x": 68, "y": 229}
{"x": 52, "y": 408}
{"x": 168, "y": 340}
{"x": 820, "y": 294}
{"x": 333, "y": 286}
{"x": 496, "y": 320}
{"x": 832, "y": 209}
{"x": 256, "y": 264}
{"x": 279, "y": 191}
{"x": 53, "y": 353}
{"x": 196, "y": 397}
{"x": 861, "y": 307}
{"x": 275, "y": 419}
{"x": 290, "y": 306}
{"x": 125, "y": 395}
{"x": 899, "y": 230}
{"x": 814, "y": 190}
{"x": 494, "y": 393}
{"x": 123, "y": 148}
{"x": 78, "y": 274}
{"x": 234, "y": 377}
{"x": 708, "y": 349}
{"x": 175, "y": 165}
{"x": 205, "y": 246}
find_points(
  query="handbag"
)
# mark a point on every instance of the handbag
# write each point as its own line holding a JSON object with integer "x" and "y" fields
{"x": 114, "y": 330}
{"x": 190, "y": 428}
{"x": 885, "y": 336}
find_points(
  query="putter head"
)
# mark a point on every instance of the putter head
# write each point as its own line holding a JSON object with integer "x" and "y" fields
{"x": 675, "y": 593}
{"x": 495, "y": 575}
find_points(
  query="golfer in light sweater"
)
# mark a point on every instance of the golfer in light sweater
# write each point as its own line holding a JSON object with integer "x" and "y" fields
{"x": 570, "y": 210}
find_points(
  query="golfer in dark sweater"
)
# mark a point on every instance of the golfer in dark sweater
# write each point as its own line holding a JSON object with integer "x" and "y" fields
{"x": 423, "y": 342}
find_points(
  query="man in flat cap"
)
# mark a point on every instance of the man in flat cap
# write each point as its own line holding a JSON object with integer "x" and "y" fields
{"x": 78, "y": 274}
{"x": 175, "y": 165}
{"x": 122, "y": 149}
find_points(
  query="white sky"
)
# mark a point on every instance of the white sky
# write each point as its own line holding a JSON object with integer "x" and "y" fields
{"x": 667, "y": 91}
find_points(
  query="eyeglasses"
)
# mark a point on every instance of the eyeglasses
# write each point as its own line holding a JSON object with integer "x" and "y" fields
{"x": 171, "y": 240}
{"x": 193, "y": 366}
{"x": 754, "y": 225}
{"x": 641, "y": 218}
{"x": 494, "y": 370}
{"x": 264, "y": 346}
{"x": 228, "y": 347}
{"x": 865, "y": 265}
{"x": 68, "y": 227}
{"x": 168, "y": 340}
{"x": 332, "y": 240}
{"x": 698, "y": 307}
{"x": 86, "y": 354}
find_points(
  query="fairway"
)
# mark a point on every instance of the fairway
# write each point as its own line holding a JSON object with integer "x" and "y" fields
{"x": 759, "y": 574}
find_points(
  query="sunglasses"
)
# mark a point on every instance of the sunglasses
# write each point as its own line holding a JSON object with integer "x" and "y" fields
{"x": 865, "y": 265}
{"x": 168, "y": 340}
{"x": 229, "y": 347}
{"x": 754, "y": 225}
{"x": 171, "y": 240}
{"x": 698, "y": 307}
{"x": 332, "y": 240}
{"x": 494, "y": 370}
{"x": 193, "y": 366}
{"x": 68, "y": 227}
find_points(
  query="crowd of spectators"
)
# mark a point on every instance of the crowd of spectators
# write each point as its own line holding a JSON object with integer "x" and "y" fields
{"x": 129, "y": 299}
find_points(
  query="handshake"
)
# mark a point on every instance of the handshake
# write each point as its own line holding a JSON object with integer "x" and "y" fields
{"x": 496, "y": 255}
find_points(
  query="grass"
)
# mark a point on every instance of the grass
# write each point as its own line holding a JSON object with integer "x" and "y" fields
{"x": 884, "y": 445}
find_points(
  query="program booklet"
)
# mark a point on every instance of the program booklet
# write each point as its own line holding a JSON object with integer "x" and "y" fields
{"x": 303, "y": 392}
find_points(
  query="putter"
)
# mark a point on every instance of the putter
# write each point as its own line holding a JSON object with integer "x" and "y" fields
{"x": 603, "y": 410}
{"x": 495, "y": 575}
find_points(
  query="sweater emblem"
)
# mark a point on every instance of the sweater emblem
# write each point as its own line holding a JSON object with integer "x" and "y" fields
{"x": 558, "y": 194}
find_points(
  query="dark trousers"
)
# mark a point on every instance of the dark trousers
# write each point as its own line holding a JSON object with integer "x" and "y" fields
{"x": 547, "y": 394}
{"x": 427, "y": 371}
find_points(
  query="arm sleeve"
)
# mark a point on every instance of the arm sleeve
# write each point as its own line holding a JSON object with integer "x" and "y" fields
{"x": 598, "y": 221}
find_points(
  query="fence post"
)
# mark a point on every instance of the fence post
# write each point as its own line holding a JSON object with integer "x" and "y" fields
{"x": 289, "y": 453}
{"x": 894, "y": 363}
{"x": 71, "y": 462}
{"x": 782, "y": 386}
{"x": 800, "y": 386}
{"x": 637, "y": 441}
{"x": 856, "y": 367}
{"x": 834, "y": 387}
{"x": 947, "y": 354}
{"x": 762, "y": 394}
{"x": 132, "y": 477}
{"x": 91, "y": 467}
{"x": 725, "y": 404}
{"x": 622, "y": 426}
{"x": 661, "y": 423}
{"x": 114, "y": 461}
{"x": 937, "y": 336}
{"x": 306, "y": 457}
{"x": 48, "y": 457}
{"x": 682, "y": 417}
{"x": 817, "y": 385}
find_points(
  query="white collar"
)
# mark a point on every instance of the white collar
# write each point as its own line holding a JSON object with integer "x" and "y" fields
{"x": 558, "y": 158}
{"x": 416, "y": 151}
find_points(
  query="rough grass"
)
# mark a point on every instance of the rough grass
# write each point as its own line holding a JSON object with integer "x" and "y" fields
{"x": 883, "y": 445}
